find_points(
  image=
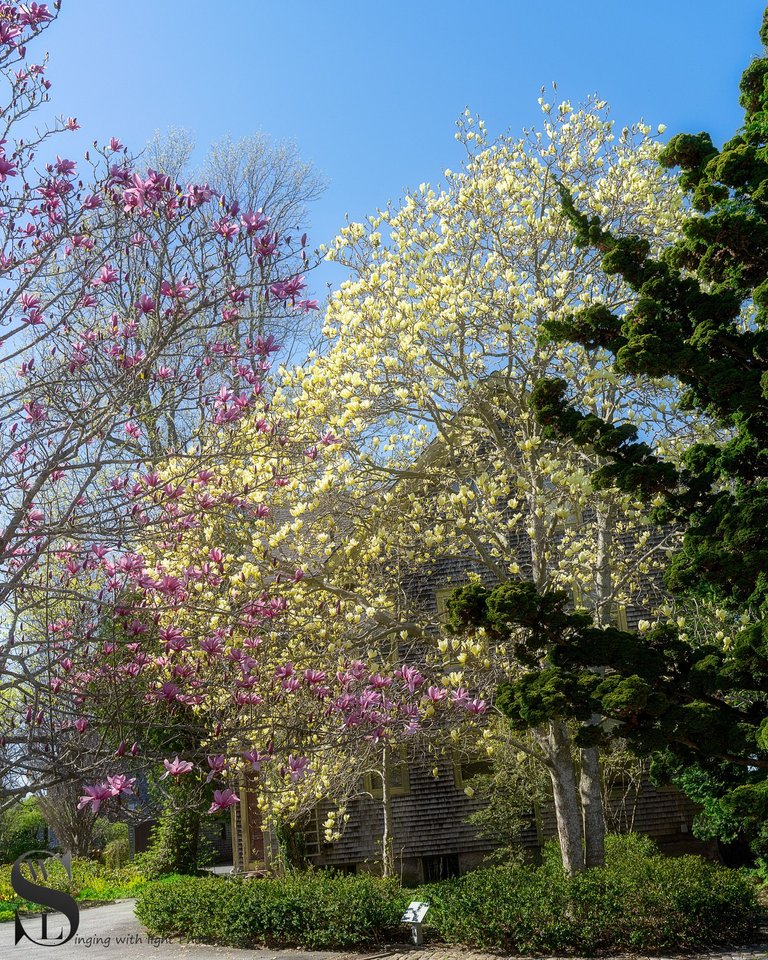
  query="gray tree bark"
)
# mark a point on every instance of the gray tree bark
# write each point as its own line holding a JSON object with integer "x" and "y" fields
{"x": 387, "y": 857}
{"x": 592, "y": 807}
{"x": 566, "y": 796}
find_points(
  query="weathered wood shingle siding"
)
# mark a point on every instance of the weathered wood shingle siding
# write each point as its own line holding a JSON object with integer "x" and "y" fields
{"x": 430, "y": 821}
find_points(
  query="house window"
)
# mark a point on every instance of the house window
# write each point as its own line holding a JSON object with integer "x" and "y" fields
{"x": 440, "y": 867}
{"x": 398, "y": 779}
{"x": 442, "y": 596}
{"x": 347, "y": 868}
{"x": 467, "y": 767}
{"x": 619, "y": 616}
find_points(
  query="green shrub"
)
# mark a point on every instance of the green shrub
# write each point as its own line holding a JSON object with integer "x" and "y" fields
{"x": 90, "y": 881}
{"x": 22, "y": 828}
{"x": 315, "y": 909}
{"x": 105, "y": 831}
{"x": 639, "y": 901}
{"x": 117, "y": 853}
{"x": 177, "y": 843}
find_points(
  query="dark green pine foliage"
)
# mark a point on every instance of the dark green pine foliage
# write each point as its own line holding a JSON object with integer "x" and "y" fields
{"x": 704, "y": 708}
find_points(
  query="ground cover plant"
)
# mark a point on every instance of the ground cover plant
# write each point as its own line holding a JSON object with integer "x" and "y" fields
{"x": 640, "y": 900}
{"x": 91, "y": 882}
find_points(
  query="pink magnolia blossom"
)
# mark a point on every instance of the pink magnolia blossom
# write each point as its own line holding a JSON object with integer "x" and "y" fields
{"x": 108, "y": 274}
{"x": 410, "y": 677}
{"x": 95, "y": 796}
{"x": 7, "y": 169}
{"x": 223, "y": 800}
{"x": 120, "y": 783}
{"x": 226, "y": 228}
{"x": 264, "y": 246}
{"x": 256, "y": 758}
{"x": 168, "y": 692}
{"x": 287, "y": 289}
{"x": 32, "y": 14}
{"x": 146, "y": 304}
{"x": 266, "y": 345}
{"x": 212, "y": 646}
{"x": 65, "y": 167}
{"x": 197, "y": 195}
{"x": 178, "y": 291}
{"x": 218, "y": 765}
{"x": 253, "y": 222}
{"x": 477, "y": 706}
{"x": 314, "y": 676}
{"x": 297, "y": 767}
{"x": 175, "y": 768}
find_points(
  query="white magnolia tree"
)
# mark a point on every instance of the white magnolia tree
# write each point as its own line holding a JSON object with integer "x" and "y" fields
{"x": 432, "y": 349}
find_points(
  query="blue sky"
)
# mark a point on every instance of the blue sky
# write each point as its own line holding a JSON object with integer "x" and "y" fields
{"x": 371, "y": 90}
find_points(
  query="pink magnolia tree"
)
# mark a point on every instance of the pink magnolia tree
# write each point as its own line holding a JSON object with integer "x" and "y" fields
{"x": 152, "y": 625}
{"x": 125, "y": 333}
{"x": 217, "y": 660}
{"x": 210, "y": 668}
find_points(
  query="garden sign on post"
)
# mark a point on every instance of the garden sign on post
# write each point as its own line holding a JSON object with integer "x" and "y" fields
{"x": 415, "y": 915}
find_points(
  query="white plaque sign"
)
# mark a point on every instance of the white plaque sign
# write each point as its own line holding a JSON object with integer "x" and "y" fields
{"x": 416, "y": 912}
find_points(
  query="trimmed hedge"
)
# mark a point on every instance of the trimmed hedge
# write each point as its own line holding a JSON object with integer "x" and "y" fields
{"x": 639, "y": 901}
{"x": 316, "y": 910}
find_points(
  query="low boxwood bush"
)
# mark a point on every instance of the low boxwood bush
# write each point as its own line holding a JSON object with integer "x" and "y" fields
{"x": 313, "y": 909}
{"x": 639, "y": 901}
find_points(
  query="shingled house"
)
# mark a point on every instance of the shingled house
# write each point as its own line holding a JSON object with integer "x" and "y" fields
{"x": 432, "y": 838}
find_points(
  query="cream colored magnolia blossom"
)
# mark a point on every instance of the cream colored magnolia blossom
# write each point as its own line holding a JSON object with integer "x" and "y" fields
{"x": 430, "y": 351}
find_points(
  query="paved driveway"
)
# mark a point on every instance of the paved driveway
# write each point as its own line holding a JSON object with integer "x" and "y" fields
{"x": 112, "y": 932}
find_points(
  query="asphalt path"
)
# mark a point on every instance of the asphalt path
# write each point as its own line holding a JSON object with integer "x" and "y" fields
{"x": 112, "y": 932}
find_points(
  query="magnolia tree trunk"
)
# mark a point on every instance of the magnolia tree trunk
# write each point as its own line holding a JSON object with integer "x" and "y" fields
{"x": 590, "y": 786}
{"x": 566, "y": 797}
{"x": 557, "y": 743}
{"x": 592, "y": 808}
{"x": 387, "y": 858}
